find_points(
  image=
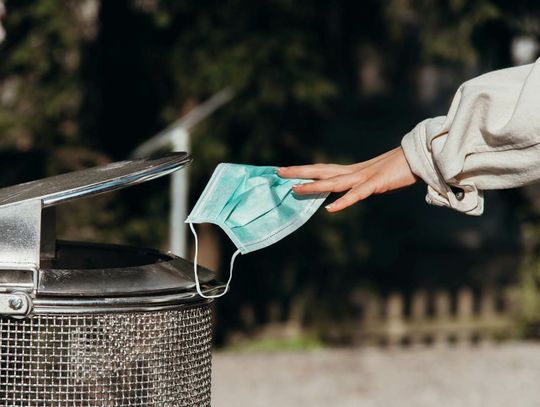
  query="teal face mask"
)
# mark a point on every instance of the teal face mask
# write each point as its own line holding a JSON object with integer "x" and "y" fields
{"x": 254, "y": 206}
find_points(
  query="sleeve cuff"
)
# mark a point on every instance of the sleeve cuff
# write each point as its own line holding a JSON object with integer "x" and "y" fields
{"x": 467, "y": 198}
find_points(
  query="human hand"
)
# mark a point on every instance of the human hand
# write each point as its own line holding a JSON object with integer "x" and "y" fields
{"x": 384, "y": 173}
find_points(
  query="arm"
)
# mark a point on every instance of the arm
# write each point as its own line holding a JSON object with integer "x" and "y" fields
{"x": 490, "y": 139}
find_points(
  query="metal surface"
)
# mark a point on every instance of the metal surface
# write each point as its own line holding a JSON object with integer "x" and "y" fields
{"x": 15, "y": 304}
{"x": 48, "y": 233}
{"x": 20, "y": 224}
{"x": 92, "y": 181}
{"x": 28, "y": 230}
{"x": 102, "y": 270}
{"x": 179, "y": 198}
{"x": 13, "y": 279}
{"x": 123, "y": 359}
{"x": 55, "y": 306}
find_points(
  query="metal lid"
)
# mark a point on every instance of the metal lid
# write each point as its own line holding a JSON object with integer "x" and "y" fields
{"x": 67, "y": 187}
{"x": 28, "y": 239}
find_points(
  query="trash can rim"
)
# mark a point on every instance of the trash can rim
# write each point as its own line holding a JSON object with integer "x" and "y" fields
{"x": 107, "y": 270}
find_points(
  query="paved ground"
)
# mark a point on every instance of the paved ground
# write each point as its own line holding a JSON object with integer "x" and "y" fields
{"x": 494, "y": 376}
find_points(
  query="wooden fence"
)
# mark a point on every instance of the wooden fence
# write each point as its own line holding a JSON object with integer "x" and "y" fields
{"x": 437, "y": 317}
{"x": 421, "y": 318}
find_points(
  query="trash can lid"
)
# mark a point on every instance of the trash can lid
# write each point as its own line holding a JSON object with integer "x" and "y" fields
{"x": 28, "y": 231}
{"x": 74, "y": 185}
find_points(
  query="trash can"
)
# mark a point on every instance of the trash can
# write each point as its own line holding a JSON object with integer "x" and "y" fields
{"x": 97, "y": 324}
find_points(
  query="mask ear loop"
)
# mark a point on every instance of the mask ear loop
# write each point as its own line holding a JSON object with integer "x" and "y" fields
{"x": 195, "y": 271}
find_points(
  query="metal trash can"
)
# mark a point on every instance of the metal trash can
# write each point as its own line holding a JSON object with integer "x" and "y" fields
{"x": 96, "y": 324}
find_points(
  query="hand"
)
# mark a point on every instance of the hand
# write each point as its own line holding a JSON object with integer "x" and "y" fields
{"x": 387, "y": 172}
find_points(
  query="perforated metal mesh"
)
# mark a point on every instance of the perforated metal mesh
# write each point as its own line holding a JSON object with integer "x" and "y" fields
{"x": 123, "y": 359}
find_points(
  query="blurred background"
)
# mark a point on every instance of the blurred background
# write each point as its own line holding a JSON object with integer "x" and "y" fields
{"x": 388, "y": 299}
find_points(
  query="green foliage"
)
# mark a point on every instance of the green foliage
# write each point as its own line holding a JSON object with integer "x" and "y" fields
{"x": 39, "y": 63}
{"x": 446, "y": 26}
{"x": 530, "y": 298}
{"x": 294, "y": 344}
{"x": 529, "y": 293}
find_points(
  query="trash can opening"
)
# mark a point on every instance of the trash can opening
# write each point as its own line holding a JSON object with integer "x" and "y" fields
{"x": 84, "y": 256}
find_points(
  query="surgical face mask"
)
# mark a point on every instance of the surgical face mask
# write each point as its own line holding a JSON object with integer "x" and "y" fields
{"x": 254, "y": 207}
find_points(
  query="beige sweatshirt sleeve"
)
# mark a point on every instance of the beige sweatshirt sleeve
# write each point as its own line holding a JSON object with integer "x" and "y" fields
{"x": 490, "y": 139}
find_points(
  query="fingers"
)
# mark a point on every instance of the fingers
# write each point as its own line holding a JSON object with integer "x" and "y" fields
{"x": 315, "y": 171}
{"x": 353, "y": 196}
{"x": 358, "y": 186}
{"x": 335, "y": 184}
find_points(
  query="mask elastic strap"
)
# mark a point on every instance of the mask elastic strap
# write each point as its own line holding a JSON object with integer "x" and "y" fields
{"x": 197, "y": 283}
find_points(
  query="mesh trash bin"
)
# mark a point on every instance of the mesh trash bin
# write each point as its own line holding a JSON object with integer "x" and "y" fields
{"x": 96, "y": 324}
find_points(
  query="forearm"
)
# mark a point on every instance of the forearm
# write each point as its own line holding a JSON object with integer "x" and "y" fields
{"x": 490, "y": 139}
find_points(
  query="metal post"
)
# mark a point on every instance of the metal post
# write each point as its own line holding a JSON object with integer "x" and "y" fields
{"x": 179, "y": 197}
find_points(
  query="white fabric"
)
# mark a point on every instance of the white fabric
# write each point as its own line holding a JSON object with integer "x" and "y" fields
{"x": 196, "y": 271}
{"x": 490, "y": 139}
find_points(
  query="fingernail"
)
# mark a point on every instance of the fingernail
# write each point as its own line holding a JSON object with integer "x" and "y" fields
{"x": 328, "y": 207}
{"x": 296, "y": 186}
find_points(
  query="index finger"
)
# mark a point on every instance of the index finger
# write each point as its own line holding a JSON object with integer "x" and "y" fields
{"x": 313, "y": 171}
